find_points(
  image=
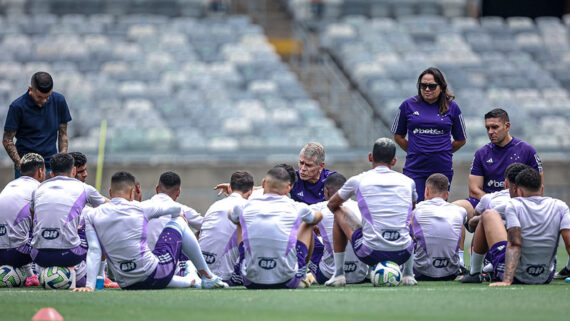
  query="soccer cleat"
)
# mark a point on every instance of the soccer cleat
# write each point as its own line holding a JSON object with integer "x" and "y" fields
{"x": 214, "y": 283}
{"x": 336, "y": 281}
{"x": 472, "y": 278}
{"x": 32, "y": 281}
{"x": 409, "y": 280}
{"x": 562, "y": 274}
{"x": 108, "y": 284}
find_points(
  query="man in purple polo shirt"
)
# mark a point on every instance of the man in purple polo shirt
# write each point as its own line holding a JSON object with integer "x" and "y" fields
{"x": 37, "y": 119}
{"x": 491, "y": 161}
{"x": 311, "y": 176}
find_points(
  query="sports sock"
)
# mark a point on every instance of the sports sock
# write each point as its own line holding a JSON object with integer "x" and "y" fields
{"x": 409, "y": 266}
{"x": 190, "y": 246}
{"x": 28, "y": 269}
{"x": 339, "y": 263}
{"x": 102, "y": 266}
{"x": 178, "y": 281}
{"x": 461, "y": 261}
{"x": 476, "y": 263}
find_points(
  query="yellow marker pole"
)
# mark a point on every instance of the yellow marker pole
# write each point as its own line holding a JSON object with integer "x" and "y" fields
{"x": 101, "y": 156}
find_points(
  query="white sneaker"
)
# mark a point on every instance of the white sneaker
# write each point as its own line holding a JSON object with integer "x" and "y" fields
{"x": 214, "y": 283}
{"x": 409, "y": 280}
{"x": 336, "y": 281}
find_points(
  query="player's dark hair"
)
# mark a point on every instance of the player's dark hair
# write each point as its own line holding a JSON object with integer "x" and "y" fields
{"x": 334, "y": 182}
{"x": 498, "y": 113}
{"x": 42, "y": 81}
{"x": 438, "y": 183}
{"x": 279, "y": 173}
{"x": 384, "y": 150}
{"x": 513, "y": 170}
{"x": 241, "y": 181}
{"x": 30, "y": 163}
{"x": 169, "y": 180}
{"x": 61, "y": 163}
{"x": 79, "y": 158}
{"x": 529, "y": 179}
{"x": 122, "y": 178}
{"x": 445, "y": 96}
{"x": 291, "y": 171}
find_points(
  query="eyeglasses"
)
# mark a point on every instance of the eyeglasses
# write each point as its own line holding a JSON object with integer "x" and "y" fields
{"x": 424, "y": 86}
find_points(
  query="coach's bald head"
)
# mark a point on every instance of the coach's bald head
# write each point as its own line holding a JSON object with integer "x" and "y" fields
{"x": 276, "y": 181}
{"x": 123, "y": 186}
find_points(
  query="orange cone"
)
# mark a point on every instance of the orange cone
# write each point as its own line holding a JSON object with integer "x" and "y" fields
{"x": 47, "y": 314}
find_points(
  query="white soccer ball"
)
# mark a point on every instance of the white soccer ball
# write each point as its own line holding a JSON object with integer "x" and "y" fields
{"x": 56, "y": 277}
{"x": 386, "y": 273}
{"x": 11, "y": 277}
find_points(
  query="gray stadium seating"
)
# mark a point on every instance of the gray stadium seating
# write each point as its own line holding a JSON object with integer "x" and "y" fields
{"x": 163, "y": 84}
{"x": 518, "y": 64}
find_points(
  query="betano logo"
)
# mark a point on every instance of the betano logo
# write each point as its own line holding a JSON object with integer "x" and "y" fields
{"x": 497, "y": 184}
{"x": 428, "y": 131}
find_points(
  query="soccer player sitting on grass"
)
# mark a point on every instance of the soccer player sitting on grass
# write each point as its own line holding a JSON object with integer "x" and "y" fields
{"x": 56, "y": 210}
{"x": 385, "y": 199}
{"x": 497, "y": 200}
{"x": 218, "y": 236}
{"x": 15, "y": 217}
{"x": 525, "y": 253}
{"x": 436, "y": 227}
{"x": 119, "y": 229}
{"x": 167, "y": 191}
{"x": 275, "y": 235}
{"x": 355, "y": 270}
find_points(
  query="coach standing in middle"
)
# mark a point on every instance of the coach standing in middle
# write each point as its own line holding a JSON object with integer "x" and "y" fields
{"x": 429, "y": 119}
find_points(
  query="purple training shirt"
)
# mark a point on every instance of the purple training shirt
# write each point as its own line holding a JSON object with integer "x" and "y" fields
{"x": 429, "y": 135}
{"x": 308, "y": 193}
{"x": 491, "y": 161}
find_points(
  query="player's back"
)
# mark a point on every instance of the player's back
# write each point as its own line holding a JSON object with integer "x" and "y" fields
{"x": 385, "y": 200}
{"x": 354, "y": 269}
{"x": 120, "y": 226}
{"x": 494, "y": 201}
{"x": 57, "y": 205}
{"x": 218, "y": 238}
{"x": 155, "y": 226}
{"x": 540, "y": 220}
{"x": 269, "y": 230}
{"x": 15, "y": 217}
{"x": 437, "y": 226}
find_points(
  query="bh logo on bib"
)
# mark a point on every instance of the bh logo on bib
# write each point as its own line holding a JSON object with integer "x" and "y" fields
{"x": 350, "y": 266}
{"x": 210, "y": 258}
{"x": 390, "y": 235}
{"x": 50, "y": 233}
{"x": 3, "y": 229}
{"x": 440, "y": 262}
{"x": 535, "y": 270}
{"x": 267, "y": 263}
{"x": 127, "y": 266}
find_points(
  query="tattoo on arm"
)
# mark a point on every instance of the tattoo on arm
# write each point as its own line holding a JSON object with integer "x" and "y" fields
{"x": 8, "y": 142}
{"x": 62, "y": 140}
{"x": 513, "y": 253}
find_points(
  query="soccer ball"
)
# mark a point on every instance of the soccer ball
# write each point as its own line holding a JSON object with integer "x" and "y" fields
{"x": 56, "y": 277}
{"x": 11, "y": 277}
{"x": 386, "y": 273}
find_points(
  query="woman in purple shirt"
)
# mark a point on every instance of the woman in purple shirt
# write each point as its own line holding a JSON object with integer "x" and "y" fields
{"x": 430, "y": 120}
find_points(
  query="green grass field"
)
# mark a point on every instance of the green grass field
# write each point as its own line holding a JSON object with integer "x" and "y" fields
{"x": 427, "y": 301}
